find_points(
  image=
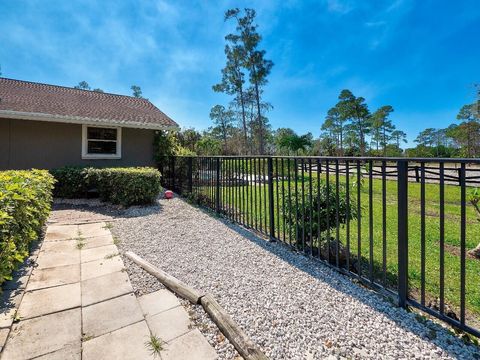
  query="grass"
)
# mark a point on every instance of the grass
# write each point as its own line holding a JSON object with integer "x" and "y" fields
{"x": 80, "y": 243}
{"x": 258, "y": 217}
{"x": 116, "y": 240}
{"x": 155, "y": 345}
{"x": 86, "y": 337}
{"x": 108, "y": 226}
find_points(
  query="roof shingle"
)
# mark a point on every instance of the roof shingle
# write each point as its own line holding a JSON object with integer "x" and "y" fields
{"x": 82, "y": 105}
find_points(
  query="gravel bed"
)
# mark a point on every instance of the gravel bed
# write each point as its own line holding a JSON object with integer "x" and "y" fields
{"x": 293, "y": 307}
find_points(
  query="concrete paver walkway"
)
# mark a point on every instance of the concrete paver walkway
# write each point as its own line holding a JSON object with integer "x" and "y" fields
{"x": 79, "y": 304}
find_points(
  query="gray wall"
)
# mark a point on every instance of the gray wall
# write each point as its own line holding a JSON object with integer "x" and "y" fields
{"x": 28, "y": 144}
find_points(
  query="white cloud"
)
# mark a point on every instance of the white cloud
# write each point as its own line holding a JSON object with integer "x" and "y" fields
{"x": 375, "y": 23}
{"x": 340, "y": 6}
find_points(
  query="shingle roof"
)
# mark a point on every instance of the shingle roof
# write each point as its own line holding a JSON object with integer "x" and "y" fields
{"x": 38, "y": 101}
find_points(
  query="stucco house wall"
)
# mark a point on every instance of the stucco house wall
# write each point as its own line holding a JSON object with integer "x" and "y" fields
{"x": 26, "y": 144}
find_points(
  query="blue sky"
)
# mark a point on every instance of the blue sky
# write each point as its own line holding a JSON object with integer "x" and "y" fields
{"x": 421, "y": 57}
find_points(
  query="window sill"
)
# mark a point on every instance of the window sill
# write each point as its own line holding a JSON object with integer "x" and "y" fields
{"x": 101, "y": 157}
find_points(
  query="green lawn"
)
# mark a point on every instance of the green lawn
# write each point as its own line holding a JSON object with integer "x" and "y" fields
{"x": 257, "y": 215}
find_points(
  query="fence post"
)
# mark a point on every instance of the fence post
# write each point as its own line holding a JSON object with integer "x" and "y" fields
{"x": 217, "y": 187}
{"x": 402, "y": 183}
{"x": 161, "y": 169}
{"x": 417, "y": 176}
{"x": 270, "y": 198}
{"x": 190, "y": 174}
{"x": 172, "y": 172}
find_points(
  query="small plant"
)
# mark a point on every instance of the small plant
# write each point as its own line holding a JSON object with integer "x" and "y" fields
{"x": 108, "y": 226}
{"x": 313, "y": 221}
{"x": 116, "y": 240}
{"x": 359, "y": 180}
{"x": 16, "y": 317}
{"x": 155, "y": 345}
{"x": 80, "y": 242}
{"x": 86, "y": 337}
{"x": 111, "y": 256}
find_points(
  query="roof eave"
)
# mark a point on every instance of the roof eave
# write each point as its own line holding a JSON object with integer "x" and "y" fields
{"x": 81, "y": 120}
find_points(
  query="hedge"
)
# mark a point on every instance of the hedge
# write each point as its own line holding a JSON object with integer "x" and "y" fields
{"x": 71, "y": 182}
{"x": 124, "y": 186}
{"x": 25, "y": 203}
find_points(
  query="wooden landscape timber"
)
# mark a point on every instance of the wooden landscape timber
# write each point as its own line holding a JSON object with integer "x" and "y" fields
{"x": 220, "y": 317}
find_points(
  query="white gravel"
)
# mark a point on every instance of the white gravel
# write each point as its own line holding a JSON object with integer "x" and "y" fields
{"x": 293, "y": 307}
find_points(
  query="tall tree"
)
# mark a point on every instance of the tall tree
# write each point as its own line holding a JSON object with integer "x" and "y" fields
{"x": 288, "y": 139}
{"x": 232, "y": 83}
{"x": 82, "y": 85}
{"x": 223, "y": 120}
{"x": 467, "y": 132}
{"x": 356, "y": 110}
{"x": 188, "y": 138}
{"x": 282, "y": 138}
{"x": 301, "y": 143}
{"x": 258, "y": 67}
{"x": 382, "y": 126}
{"x": 136, "y": 91}
{"x": 399, "y": 136}
{"x": 426, "y": 137}
{"x": 335, "y": 124}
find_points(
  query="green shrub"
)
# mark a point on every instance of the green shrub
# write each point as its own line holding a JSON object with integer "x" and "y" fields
{"x": 25, "y": 203}
{"x": 321, "y": 210}
{"x": 126, "y": 186}
{"x": 71, "y": 182}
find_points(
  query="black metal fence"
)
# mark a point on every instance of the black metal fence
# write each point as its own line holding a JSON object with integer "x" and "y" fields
{"x": 401, "y": 226}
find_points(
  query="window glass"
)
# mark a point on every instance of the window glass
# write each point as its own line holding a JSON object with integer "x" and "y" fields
{"x": 102, "y": 147}
{"x": 101, "y": 133}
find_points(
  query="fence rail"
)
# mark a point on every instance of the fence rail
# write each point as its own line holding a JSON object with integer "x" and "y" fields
{"x": 401, "y": 226}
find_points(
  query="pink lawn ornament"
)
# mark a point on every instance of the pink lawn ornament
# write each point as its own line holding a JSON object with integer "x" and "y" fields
{"x": 169, "y": 194}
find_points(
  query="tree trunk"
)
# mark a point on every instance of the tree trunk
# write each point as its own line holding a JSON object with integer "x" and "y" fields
{"x": 362, "y": 139}
{"x": 244, "y": 120}
{"x": 341, "y": 141}
{"x": 259, "y": 114}
{"x": 260, "y": 122}
{"x": 224, "y": 139}
{"x": 384, "y": 142}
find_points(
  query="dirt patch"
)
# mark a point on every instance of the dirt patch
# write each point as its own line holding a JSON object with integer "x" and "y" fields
{"x": 64, "y": 213}
{"x": 456, "y": 251}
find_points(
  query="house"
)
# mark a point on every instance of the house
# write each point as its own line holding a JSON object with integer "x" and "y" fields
{"x": 47, "y": 126}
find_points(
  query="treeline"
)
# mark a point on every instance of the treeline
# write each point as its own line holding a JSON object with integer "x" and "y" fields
{"x": 460, "y": 139}
{"x": 349, "y": 129}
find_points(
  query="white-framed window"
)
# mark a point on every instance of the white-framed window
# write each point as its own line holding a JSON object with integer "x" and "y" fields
{"x": 101, "y": 142}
